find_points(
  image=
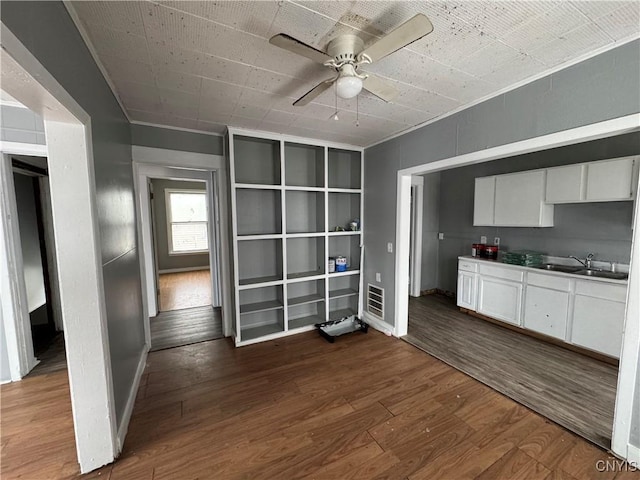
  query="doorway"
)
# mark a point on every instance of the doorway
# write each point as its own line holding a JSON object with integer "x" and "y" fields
{"x": 184, "y": 306}
{"x": 35, "y": 222}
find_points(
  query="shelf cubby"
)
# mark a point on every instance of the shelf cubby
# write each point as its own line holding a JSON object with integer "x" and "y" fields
{"x": 260, "y": 324}
{"x": 304, "y": 165}
{"x": 343, "y": 209}
{"x": 342, "y": 307}
{"x": 344, "y": 169}
{"x": 305, "y": 257}
{"x": 346, "y": 286}
{"x": 347, "y": 246}
{"x": 259, "y": 211}
{"x": 259, "y": 261}
{"x": 306, "y": 315}
{"x": 301, "y": 293}
{"x": 256, "y": 160}
{"x": 261, "y": 299}
{"x": 305, "y": 211}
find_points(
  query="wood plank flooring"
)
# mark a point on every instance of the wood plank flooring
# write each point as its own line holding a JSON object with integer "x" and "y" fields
{"x": 571, "y": 389}
{"x": 184, "y": 290}
{"x": 365, "y": 407}
{"x": 53, "y": 359}
{"x": 183, "y": 327}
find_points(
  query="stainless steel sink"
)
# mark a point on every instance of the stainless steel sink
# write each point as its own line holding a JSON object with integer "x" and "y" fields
{"x": 559, "y": 268}
{"x": 603, "y": 274}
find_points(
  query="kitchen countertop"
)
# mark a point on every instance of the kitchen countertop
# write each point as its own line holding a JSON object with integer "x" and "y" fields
{"x": 558, "y": 260}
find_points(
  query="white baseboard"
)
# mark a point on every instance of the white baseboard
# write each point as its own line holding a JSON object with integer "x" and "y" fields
{"x": 378, "y": 324}
{"x": 185, "y": 269}
{"x": 2, "y": 382}
{"x": 128, "y": 410}
{"x": 633, "y": 455}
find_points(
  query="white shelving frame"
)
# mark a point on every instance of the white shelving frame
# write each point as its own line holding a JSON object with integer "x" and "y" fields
{"x": 270, "y": 305}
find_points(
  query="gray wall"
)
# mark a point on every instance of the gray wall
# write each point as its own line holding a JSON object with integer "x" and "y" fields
{"x": 601, "y": 228}
{"x": 21, "y": 125}
{"x": 600, "y": 88}
{"x": 46, "y": 29}
{"x": 635, "y": 417}
{"x": 171, "y": 139}
{"x": 166, "y": 261}
{"x": 30, "y": 241}
{"x": 430, "y": 229}
{"x": 5, "y": 373}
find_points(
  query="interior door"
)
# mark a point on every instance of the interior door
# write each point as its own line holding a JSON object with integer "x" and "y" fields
{"x": 152, "y": 215}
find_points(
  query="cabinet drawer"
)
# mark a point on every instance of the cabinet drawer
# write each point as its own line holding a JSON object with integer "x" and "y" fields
{"x": 499, "y": 272}
{"x": 467, "y": 266}
{"x": 615, "y": 293}
{"x": 549, "y": 281}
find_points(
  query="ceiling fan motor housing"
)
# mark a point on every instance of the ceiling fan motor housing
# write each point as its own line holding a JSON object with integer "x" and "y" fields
{"x": 345, "y": 49}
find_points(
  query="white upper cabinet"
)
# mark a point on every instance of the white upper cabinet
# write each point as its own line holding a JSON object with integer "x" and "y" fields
{"x": 610, "y": 180}
{"x": 484, "y": 201}
{"x": 519, "y": 200}
{"x": 566, "y": 184}
{"x": 603, "y": 181}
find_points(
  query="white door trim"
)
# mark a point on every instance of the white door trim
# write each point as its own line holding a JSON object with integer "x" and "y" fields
{"x": 631, "y": 341}
{"x": 152, "y": 162}
{"x": 75, "y": 221}
{"x": 415, "y": 268}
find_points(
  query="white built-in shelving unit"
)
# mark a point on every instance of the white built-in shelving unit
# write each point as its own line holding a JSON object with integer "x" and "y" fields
{"x": 288, "y": 195}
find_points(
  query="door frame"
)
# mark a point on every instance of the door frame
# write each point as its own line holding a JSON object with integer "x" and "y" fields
{"x": 628, "y": 369}
{"x": 78, "y": 249}
{"x": 417, "y": 214}
{"x": 152, "y": 162}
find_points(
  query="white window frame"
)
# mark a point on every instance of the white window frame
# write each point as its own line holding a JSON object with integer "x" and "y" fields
{"x": 167, "y": 194}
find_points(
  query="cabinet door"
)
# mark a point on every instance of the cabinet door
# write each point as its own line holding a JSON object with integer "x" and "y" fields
{"x": 610, "y": 180}
{"x": 500, "y": 299}
{"x": 546, "y": 311}
{"x": 519, "y": 199}
{"x": 467, "y": 290}
{"x": 565, "y": 184}
{"x": 597, "y": 324}
{"x": 483, "y": 201}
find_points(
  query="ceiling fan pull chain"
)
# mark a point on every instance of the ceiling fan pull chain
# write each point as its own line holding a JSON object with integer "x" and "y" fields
{"x": 357, "y": 111}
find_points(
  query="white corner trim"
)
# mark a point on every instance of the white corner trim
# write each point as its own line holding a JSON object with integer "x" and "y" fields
{"x": 94, "y": 54}
{"x": 512, "y": 87}
{"x": 179, "y": 129}
{"x": 131, "y": 401}
{"x": 378, "y": 324}
{"x": 633, "y": 455}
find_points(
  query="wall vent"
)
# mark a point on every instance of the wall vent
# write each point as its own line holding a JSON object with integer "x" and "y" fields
{"x": 375, "y": 301}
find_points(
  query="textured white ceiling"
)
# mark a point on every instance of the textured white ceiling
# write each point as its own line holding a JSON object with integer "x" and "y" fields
{"x": 205, "y": 65}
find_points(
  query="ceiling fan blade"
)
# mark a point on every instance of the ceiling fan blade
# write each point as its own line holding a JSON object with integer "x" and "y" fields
{"x": 287, "y": 42}
{"x": 380, "y": 88}
{"x": 314, "y": 92}
{"x": 410, "y": 31}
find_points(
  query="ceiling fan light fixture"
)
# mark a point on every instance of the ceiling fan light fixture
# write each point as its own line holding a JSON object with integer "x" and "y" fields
{"x": 348, "y": 86}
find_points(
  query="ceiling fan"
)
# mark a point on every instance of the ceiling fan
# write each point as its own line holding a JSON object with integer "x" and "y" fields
{"x": 346, "y": 53}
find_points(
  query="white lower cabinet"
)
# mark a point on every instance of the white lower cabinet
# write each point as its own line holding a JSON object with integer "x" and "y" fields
{"x": 598, "y": 317}
{"x": 466, "y": 294}
{"x": 546, "y": 311}
{"x": 499, "y": 298}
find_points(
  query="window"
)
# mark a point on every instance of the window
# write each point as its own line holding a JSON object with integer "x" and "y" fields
{"x": 187, "y": 221}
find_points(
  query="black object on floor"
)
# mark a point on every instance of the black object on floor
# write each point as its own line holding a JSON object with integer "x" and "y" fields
{"x": 334, "y": 328}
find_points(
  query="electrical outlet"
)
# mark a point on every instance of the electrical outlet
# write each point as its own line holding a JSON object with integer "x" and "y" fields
{"x": 483, "y": 239}
{"x": 441, "y": 236}
{"x": 389, "y": 247}
{"x": 378, "y": 277}
{"x": 496, "y": 241}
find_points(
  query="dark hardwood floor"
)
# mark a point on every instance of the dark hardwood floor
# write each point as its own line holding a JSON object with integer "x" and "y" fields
{"x": 53, "y": 358}
{"x": 573, "y": 390}
{"x": 366, "y": 407}
{"x": 182, "y": 327}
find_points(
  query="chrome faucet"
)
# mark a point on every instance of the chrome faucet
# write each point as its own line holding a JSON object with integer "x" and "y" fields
{"x": 586, "y": 262}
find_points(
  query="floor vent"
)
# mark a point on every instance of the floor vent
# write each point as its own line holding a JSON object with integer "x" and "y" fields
{"x": 375, "y": 301}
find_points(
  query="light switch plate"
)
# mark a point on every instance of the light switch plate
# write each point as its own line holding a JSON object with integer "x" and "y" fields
{"x": 378, "y": 277}
{"x": 389, "y": 247}
{"x": 483, "y": 239}
{"x": 441, "y": 236}
{"x": 496, "y": 241}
